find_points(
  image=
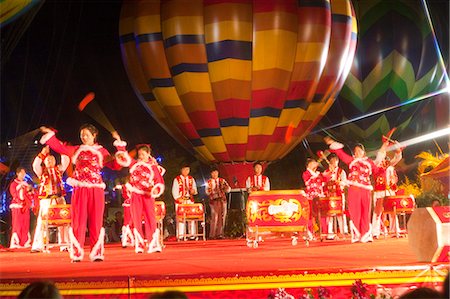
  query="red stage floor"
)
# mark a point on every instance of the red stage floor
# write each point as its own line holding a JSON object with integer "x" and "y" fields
{"x": 220, "y": 265}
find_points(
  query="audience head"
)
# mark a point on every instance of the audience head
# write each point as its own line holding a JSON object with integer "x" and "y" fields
{"x": 40, "y": 289}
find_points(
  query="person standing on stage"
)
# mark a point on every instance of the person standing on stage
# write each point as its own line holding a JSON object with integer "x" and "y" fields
{"x": 22, "y": 197}
{"x": 335, "y": 181}
{"x": 51, "y": 192}
{"x": 385, "y": 185}
{"x": 361, "y": 169}
{"x": 146, "y": 184}
{"x": 314, "y": 181}
{"x": 183, "y": 190}
{"x": 216, "y": 190}
{"x": 127, "y": 237}
{"x": 88, "y": 198}
{"x": 257, "y": 181}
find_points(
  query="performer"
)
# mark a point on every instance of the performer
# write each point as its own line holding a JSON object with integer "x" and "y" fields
{"x": 126, "y": 237}
{"x": 359, "y": 192}
{"x": 22, "y": 196}
{"x": 51, "y": 192}
{"x": 146, "y": 184}
{"x": 216, "y": 189}
{"x": 385, "y": 185}
{"x": 335, "y": 181}
{"x": 88, "y": 199}
{"x": 257, "y": 181}
{"x": 183, "y": 190}
{"x": 314, "y": 181}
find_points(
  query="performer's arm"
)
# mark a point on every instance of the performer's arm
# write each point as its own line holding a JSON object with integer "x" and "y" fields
{"x": 397, "y": 157}
{"x": 55, "y": 144}
{"x": 227, "y": 186}
{"x": 162, "y": 170}
{"x": 122, "y": 157}
{"x": 194, "y": 187}
{"x": 338, "y": 149}
{"x": 381, "y": 154}
{"x": 266, "y": 186}
{"x": 65, "y": 161}
{"x": 175, "y": 189}
{"x": 248, "y": 185}
{"x": 13, "y": 190}
{"x": 208, "y": 190}
{"x": 158, "y": 183}
{"x": 343, "y": 179}
{"x": 37, "y": 165}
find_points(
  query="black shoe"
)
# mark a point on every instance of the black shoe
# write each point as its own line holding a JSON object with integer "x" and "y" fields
{"x": 98, "y": 260}
{"x": 35, "y": 250}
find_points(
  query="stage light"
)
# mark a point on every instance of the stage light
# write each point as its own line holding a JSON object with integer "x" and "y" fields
{"x": 419, "y": 139}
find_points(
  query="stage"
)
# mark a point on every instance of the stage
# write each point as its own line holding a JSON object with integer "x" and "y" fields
{"x": 226, "y": 269}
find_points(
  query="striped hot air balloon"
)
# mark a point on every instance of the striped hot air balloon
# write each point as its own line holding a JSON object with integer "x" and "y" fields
{"x": 231, "y": 78}
{"x": 10, "y": 10}
{"x": 396, "y": 61}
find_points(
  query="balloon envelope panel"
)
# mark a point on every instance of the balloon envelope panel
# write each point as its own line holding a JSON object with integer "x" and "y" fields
{"x": 230, "y": 79}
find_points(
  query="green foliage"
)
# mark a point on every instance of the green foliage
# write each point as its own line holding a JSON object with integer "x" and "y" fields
{"x": 425, "y": 199}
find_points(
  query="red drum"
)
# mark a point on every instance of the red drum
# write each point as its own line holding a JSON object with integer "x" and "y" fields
{"x": 398, "y": 203}
{"x": 331, "y": 206}
{"x": 59, "y": 214}
{"x": 190, "y": 211}
{"x": 160, "y": 210}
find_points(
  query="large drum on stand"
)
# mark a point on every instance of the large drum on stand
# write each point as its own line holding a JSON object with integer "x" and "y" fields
{"x": 399, "y": 205}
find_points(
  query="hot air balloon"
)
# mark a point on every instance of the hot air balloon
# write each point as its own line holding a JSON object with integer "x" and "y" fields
{"x": 396, "y": 61}
{"x": 229, "y": 79}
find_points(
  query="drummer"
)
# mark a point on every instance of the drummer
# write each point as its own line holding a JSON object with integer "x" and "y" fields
{"x": 314, "y": 182}
{"x": 257, "y": 181}
{"x": 335, "y": 181}
{"x": 385, "y": 185}
{"x": 183, "y": 190}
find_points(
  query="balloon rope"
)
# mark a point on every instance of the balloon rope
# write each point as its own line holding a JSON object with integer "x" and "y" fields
{"x": 408, "y": 102}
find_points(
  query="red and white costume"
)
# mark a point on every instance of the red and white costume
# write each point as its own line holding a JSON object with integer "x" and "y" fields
{"x": 51, "y": 192}
{"x": 257, "y": 183}
{"x": 216, "y": 189}
{"x": 359, "y": 192}
{"x": 22, "y": 197}
{"x": 313, "y": 189}
{"x": 146, "y": 184}
{"x": 335, "y": 181}
{"x": 88, "y": 199}
{"x": 314, "y": 182}
{"x": 385, "y": 185}
{"x": 127, "y": 237}
{"x": 183, "y": 190}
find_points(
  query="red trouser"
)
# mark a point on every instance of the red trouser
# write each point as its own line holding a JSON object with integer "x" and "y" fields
{"x": 127, "y": 219}
{"x": 88, "y": 205}
{"x": 359, "y": 203}
{"x": 20, "y": 228}
{"x": 143, "y": 205}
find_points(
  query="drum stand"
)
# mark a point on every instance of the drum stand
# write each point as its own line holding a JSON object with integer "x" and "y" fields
{"x": 185, "y": 220}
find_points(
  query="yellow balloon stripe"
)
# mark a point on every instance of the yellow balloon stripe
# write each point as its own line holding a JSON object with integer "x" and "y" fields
{"x": 183, "y": 32}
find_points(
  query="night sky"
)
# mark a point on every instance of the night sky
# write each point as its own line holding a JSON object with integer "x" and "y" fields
{"x": 69, "y": 49}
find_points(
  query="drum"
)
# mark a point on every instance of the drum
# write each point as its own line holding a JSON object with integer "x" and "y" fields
{"x": 190, "y": 211}
{"x": 59, "y": 214}
{"x": 331, "y": 206}
{"x": 160, "y": 210}
{"x": 398, "y": 204}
